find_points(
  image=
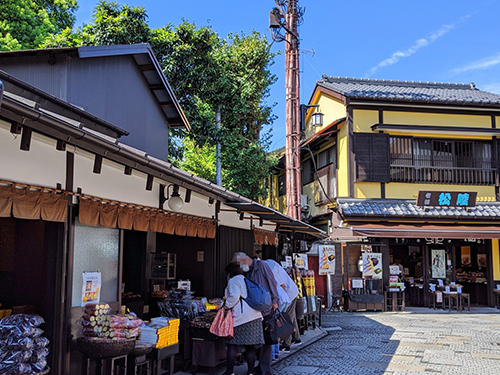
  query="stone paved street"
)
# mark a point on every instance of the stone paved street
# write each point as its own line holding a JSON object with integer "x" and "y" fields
{"x": 417, "y": 342}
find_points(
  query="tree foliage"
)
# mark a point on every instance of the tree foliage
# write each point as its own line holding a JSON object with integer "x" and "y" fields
{"x": 207, "y": 73}
{"x": 26, "y": 23}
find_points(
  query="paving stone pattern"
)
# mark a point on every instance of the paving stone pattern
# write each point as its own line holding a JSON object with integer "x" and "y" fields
{"x": 401, "y": 343}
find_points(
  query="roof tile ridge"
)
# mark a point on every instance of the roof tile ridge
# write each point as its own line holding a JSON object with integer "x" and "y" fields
{"x": 388, "y": 82}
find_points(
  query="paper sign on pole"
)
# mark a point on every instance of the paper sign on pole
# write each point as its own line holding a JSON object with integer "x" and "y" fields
{"x": 326, "y": 255}
{"x": 91, "y": 290}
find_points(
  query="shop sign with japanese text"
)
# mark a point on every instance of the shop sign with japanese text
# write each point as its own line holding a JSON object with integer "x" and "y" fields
{"x": 447, "y": 198}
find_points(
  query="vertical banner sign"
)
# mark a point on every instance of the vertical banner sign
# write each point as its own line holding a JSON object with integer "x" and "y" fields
{"x": 326, "y": 259}
{"x": 301, "y": 261}
{"x": 481, "y": 260}
{"x": 438, "y": 264}
{"x": 91, "y": 290}
{"x": 372, "y": 265}
{"x": 465, "y": 256}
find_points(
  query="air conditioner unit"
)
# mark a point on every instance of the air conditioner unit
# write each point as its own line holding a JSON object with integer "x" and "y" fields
{"x": 303, "y": 202}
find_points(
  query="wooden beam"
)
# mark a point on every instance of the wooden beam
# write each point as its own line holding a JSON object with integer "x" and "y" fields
{"x": 147, "y": 67}
{"x": 97, "y": 164}
{"x": 26, "y": 139}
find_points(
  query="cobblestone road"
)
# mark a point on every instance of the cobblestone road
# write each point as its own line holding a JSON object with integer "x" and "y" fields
{"x": 401, "y": 343}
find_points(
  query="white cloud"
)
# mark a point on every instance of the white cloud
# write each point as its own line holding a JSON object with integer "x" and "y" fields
{"x": 479, "y": 64}
{"x": 492, "y": 87}
{"x": 420, "y": 43}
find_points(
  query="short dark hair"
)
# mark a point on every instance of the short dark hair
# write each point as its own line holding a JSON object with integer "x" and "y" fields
{"x": 233, "y": 269}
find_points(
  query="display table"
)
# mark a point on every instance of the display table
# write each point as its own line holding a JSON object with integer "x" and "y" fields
{"x": 451, "y": 300}
{"x": 394, "y": 300}
{"x": 164, "y": 354}
{"x": 434, "y": 299}
{"x": 208, "y": 353}
{"x": 355, "y": 302}
{"x": 105, "y": 366}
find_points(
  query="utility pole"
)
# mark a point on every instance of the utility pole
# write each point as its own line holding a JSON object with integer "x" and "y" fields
{"x": 218, "y": 166}
{"x": 286, "y": 17}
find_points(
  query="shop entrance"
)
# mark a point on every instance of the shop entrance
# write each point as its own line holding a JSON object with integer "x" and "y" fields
{"x": 443, "y": 262}
{"x": 410, "y": 260}
{"x": 31, "y": 275}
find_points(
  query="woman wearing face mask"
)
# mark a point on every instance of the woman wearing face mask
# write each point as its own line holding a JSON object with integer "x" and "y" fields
{"x": 248, "y": 334}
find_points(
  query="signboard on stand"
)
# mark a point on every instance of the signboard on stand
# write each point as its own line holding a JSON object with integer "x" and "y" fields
{"x": 438, "y": 264}
{"x": 91, "y": 290}
{"x": 372, "y": 265}
{"x": 300, "y": 261}
{"x": 326, "y": 255}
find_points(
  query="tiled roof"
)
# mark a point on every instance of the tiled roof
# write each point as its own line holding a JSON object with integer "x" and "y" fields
{"x": 371, "y": 208}
{"x": 360, "y": 88}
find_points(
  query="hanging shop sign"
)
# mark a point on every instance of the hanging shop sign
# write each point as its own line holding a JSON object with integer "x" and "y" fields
{"x": 438, "y": 264}
{"x": 91, "y": 290}
{"x": 372, "y": 265}
{"x": 326, "y": 259}
{"x": 446, "y": 198}
{"x": 481, "y": 260}
{"x": 301, "y": 261}
{"x": 465, "y": 256}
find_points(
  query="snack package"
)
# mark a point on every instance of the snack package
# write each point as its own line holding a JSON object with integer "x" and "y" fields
{"x": 23, "y": 349}
{"x": 20, "y": 343}
{"x": 19, "y": 319}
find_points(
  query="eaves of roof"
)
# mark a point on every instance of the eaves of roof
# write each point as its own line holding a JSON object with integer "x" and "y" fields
{"x": 327, "y": 130}
{"x": 407, "y": 210}
{"x": 50, "y": 102}
{"x": 59, "y": 127}
{"x": 146, "y": 61}
{"x": 373, "y": 90}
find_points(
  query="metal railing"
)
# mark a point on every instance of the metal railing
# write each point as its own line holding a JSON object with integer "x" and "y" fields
{"x": 442, "y": 175}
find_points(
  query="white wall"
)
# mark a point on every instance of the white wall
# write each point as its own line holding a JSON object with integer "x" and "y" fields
{"x": 42, "y": 165}
{"x": 112, "y": 183}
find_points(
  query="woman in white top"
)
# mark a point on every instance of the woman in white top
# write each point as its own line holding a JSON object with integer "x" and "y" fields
{"x": 248, "y": 334}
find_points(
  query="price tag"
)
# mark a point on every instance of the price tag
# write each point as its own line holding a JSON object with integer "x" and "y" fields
{"x": 439, "y": 297}
{"x": 459, "y": 289}
{"x": 447, "y": 289}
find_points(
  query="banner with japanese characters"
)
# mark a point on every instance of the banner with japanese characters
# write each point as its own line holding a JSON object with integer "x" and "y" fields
{"x": 326, "y": 259}
{"x": 438, "y": 264}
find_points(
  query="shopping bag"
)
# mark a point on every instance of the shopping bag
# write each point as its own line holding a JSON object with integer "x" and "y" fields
{"x": 278, "y": 325}
{"x": 222, "y": 325}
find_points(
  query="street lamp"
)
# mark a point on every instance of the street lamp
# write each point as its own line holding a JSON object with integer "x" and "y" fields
{"x": 317, "y": 119}
{"x": 175, "y": 201}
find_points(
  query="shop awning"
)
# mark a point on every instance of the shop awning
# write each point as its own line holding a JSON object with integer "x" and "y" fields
{"x": 425, "y": 231}
{"x": 284, "y": 222}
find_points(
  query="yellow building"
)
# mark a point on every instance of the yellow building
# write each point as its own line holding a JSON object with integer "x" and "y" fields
{"x": 408, "y": 169}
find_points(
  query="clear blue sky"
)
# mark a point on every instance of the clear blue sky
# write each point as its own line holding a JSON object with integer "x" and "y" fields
{"x": 440, "y": 41}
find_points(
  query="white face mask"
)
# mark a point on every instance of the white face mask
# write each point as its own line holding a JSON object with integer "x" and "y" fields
{"x": 245, "y": 267}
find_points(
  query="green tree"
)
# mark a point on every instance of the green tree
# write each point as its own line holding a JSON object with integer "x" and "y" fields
{"x": 206, "y": 72}
{"x": 26, "y": 23}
